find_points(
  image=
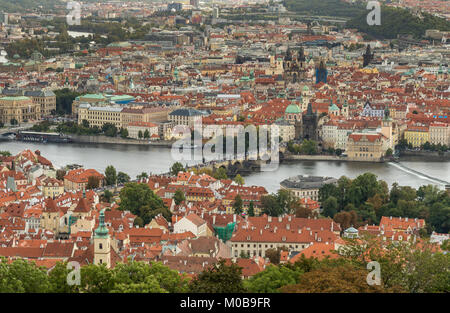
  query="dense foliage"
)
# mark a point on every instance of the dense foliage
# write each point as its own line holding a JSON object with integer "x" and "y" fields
{"x": 140, "y": 200}
{"x": 414, "y": 267}
{"x": 22, "y": 276}
{"x": 371, "y": 199}
{"x": 398, "y": 21}
{"x": 337, "y": 8}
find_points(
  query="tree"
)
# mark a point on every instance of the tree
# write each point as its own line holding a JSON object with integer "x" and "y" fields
{"x": 330, "y": 207}
{"x": 237, "y": 205}
{"x": 179, "y": 196}
{"x": 58, "y": 279}
{"x": 146, "y": 134}
{"x": 109, "y": 129}
{"x": 239, "y": 180}
{"x": 124, "y": 133}
{"x": 274, "y": 255}
{"x": 5, "y": 153}
{"x": 176, "y": 168}
{"x": 304, "y": 212}
{"x": 96, "y": 279}
{"x": 85, "y": 123}
{"x": 219, "y": 278}
{"x": 251, "y": 209}
{"x": 140, "y": 200}
{"x": 272, "y": 278}
{"x": 339, "y": 279}
{"x": 141, "y": 176}
{"x": 346, "y": 219}
{"x": 110, "y": 175}
{"x": 22, "y": 276}
{"x": 309, "y": 147}
{"x": 389, "y": 152}
{"x": 220, "y": 173}
{"x": 140, "y": 135}
{"x": 143, "y": 278}
{"x": 122, "y": 178}
{"x": 60, "y": 174}
{"x": 93, "y": 182}
{"x": 107, "y": 196}
{"x": 13, "y": 121}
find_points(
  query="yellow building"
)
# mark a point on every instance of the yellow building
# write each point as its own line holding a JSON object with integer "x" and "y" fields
{"x": 92, "y": 99}
{"x": 52, "y": 188}
{"x": 440, "y": 133}
{"x": 45, "y": 98}
{"x": 99, "y": 115}
{"x": 20, "y": 108}
{"x": 417, "y": 135}
{"x": 366, "y": 147}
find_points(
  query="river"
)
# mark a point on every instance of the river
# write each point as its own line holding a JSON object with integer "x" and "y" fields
{"x": 137, "y": 159}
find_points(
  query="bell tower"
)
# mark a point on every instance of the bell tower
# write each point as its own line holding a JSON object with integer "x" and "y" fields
{"x": 386, "y": 127}
{"x": 102, "y": 243}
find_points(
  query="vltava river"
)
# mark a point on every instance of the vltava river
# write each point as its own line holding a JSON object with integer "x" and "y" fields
{"x": 134, "y": 160}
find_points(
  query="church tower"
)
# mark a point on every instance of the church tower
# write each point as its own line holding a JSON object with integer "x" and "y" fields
{"x": 102, "y": 243}
{"x": 386, "y": 127}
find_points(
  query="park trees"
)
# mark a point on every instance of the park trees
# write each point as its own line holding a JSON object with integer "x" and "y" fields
{"x": 140, "y": 200}
{"x": 110, "y": 175}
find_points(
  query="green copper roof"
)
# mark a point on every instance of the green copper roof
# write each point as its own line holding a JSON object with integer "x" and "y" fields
{"x": 15, "y": 98}
{"x": 93, "y": 96}
{"x": 293, "y": 109}
{"x": 102, "y": 230}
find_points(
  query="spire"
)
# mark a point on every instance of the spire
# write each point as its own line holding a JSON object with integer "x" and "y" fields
{"x": 102, "y": 230}
{"x": 309, "y": 110}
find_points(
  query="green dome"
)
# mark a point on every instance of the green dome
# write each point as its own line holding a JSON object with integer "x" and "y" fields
{"x": 293, "y": 109}
{"x": 305, "y": 88}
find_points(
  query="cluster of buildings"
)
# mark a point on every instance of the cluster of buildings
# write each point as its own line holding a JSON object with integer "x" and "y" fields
{"x": 46, "y": 219}
{"x": 303, "y": 78}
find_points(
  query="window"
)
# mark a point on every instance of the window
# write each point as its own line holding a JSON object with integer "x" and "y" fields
{"x": 100, "y": 246}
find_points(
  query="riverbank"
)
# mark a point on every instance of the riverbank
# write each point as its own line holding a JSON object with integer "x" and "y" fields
{"x": 118, "y": 140}
{"x": 427, "y": 156}
{"x": 305, "y": 157}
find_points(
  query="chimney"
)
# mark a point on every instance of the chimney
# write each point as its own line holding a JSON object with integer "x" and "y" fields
{"x": 280, "y": 219}
{"x": 260, "y": 231}
{"x": 288, "y": 226}
{"x": 234, "y": 218}
{"x": 299, "y": 230}
{"x": 406, "y": 219}
{"x": 214, "y": 220}
{"x": 269, "y": 219}
{"x": 275, "y": 229}
{"x": 315, "y": 236}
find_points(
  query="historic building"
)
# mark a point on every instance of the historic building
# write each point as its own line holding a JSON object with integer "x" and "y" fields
{"x": 321, "y": 73}
{"x": 306, "y": 186}
{"x": 366, "y": 147}
{"x": 20, "y": 109}
{"x": 294, "y": 66}
{"x": 310, "y": 121}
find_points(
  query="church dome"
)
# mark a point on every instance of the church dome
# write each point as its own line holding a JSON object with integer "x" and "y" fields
{"x": 293, "y": 109}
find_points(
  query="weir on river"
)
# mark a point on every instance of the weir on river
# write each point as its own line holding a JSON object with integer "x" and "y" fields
{"x": 420, "y": 174}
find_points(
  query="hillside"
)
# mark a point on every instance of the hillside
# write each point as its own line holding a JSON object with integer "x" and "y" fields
{"x": 17, "y": 6}
{"x": 395, "y": 21}
{"x": 337, "y": 8}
